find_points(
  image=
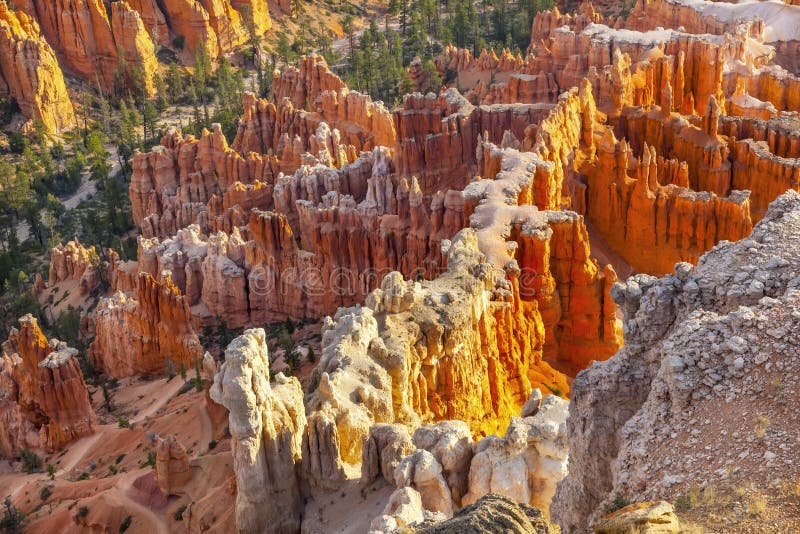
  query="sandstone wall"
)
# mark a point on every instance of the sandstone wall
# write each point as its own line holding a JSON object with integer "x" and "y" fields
{"x": 88, "y": 38}
{"x": 135, "y": 336}
{"x": 30, "y": 73}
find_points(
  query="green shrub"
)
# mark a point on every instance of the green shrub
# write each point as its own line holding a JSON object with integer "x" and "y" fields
{"x": 618, "y": 503}
{"x": 123, "y": 422}
{"x": 178, "y": 515}
{"x": 151, "y": 459}
{"x": 31, "y": 462}
{"x": 125, "y": 524}
{"x": 13, "y": 520}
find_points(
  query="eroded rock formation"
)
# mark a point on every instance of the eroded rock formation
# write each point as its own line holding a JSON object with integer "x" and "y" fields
{"x": 44, "y": 402}
{"x": 30, "y": 73}
{"x": 492, "y": 513}
{"x": 140, "y": 335}
{"x": 172, "y": 469}
{"x": 90, "y": 38}
{"x": 267, "y": 424}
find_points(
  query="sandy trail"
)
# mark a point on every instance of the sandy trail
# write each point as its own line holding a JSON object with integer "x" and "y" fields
{"x": 77, "y": 451}
{"x": 165, "y": 393}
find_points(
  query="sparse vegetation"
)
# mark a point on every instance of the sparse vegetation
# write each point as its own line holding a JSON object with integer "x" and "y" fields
{"x": 13, "y": 520}
{"x": 762, "y": 424}
{"x": 178, "y": 515}
{"x": 31, "y": 462}
{"x": 756, "y": 504}
{"x": 45, "y": 493}
{"x": 617, "y": 503}
{"x": 123, "y": 422}
{"x": 151, "y": 459}
{"x": 51, "y": 471}
{"x": 126, "y": 523}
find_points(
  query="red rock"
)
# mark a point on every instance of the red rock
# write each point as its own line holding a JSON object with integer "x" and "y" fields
{"x": 136, "y": 336}
{"x": 172, "y": 469}
{"x": 45, "y": 404}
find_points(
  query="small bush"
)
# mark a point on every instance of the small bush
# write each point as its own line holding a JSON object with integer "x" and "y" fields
{"x": 151, "y": 459}
{"x": 683, "y": 504}
{"x": 112, "y": 469}
{"x": 84, "y": 476}
{"x": 83, "y": 511}
{"x": 178, "y": 515}
{"x": 45, "y": 493}
{"x": 51, "y": 471}
{"x": 618, "y": 503}
{"x": 119, "y": 458}
{"x": 13, "y": 520}
{"x": 123, "y": 422}
{"x": 762, "y": 424}
{"x": 125, "y": 524}
{"x": 179, "y": 42}
{"x": 212, "y": 444}
{"x": 756, "y": 505}
{"x": 31, "y": 462}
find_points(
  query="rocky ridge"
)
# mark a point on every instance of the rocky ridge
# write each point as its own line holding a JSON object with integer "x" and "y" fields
{"x": 706, "y": 336}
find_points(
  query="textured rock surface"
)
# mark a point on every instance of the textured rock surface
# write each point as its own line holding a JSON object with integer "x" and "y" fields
{"x": 406, "y": 336}
{"x": 693, "y": 339}
{"x": 492, "y": 513}
{"x": 30, "y": 73}
{"x": 528, "y": 462}
{"x": 644, "y": 518}
{"x": 172, "y": 465}
{"x": 138, "y": 335}
{"x": 267, "y": 425}
{"x": 89, "y": 37}
{"x": 44, "y": 403}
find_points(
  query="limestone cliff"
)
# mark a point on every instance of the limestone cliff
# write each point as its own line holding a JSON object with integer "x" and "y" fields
{"x": 44, "y": 403}
{"x": 267, "y": 425}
